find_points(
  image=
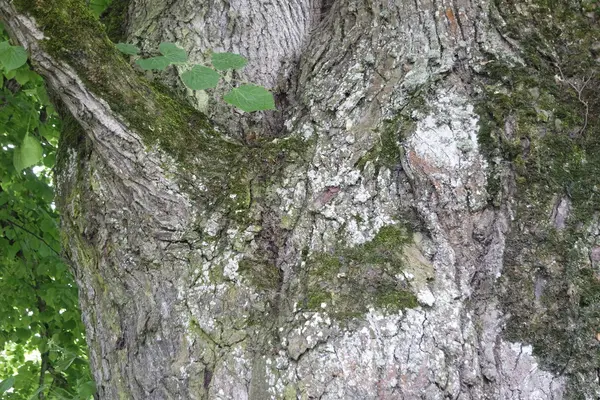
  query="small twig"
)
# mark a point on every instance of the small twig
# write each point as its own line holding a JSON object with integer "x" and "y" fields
{"x": 579, "y": 90}
{"x": 585, "y": 103}
{"x": 45, "y": 356}
{"x": 34, "y": 235}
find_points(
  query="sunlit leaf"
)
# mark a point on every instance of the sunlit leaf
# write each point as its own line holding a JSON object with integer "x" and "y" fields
{"x": 29, "y": 153}
{"x": 63, "y": 365}
{"x": 24, "y": 75}
{"x": 50, "y": 160}
{"x": 31, "y": 269}
{"x": 35, "y": 395}
{"x": 86, "y": 389}
{"x": 42, "y": 95}
{"x": 48, "y": 132}
{"x": 9, "y": 74}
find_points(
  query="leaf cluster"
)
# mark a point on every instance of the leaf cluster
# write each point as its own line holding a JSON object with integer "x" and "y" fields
{"x": 246, "y": 96}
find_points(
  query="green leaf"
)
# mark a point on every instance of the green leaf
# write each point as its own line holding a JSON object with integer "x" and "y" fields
{"x": 24, "y": 75}
{"x": 42, "y": 95}
{"x": 25, "y": 260}
{"x": 127, "y": 48}
{"x": 63, "y": 365}
{"x": 12, "y": 57}
{"x": 223, "y": 61}
{"x": 158, "y": 63}
{"x": 47, "y": 225}
{"x": 23, "y": 333}
{"x": 10, "y": 74}
{"x": 50, "y": 160}
{"x": 250, "y": 98}
{"x": 200, "y": 78}
{"x": 173, "y": 53}
{"x": 7, "y": 384}
{"x": 86, "y": 390}
{"x": 49, "y": 132}
{"x": 29, "y": 153}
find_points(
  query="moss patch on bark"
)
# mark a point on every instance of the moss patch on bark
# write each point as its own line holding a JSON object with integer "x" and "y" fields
{"x": 543, "y": 119}
{"x": 114, "y": 19}
{"x": 346, "y": 282}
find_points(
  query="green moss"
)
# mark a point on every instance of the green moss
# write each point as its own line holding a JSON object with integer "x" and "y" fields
{"x": 394, "y": 300}
{"x": 349, "y": 280}
{"x": 393, "y": 132}
{"x": 589, "y": 288}
{"x": 72, "y": 138}
{"x": 287, "y": 222}
{"x": 316, "y": 298}
{"x": 549, "y": 154}
{"x": 388, "y": 151}
{"x": 532, "y": 118}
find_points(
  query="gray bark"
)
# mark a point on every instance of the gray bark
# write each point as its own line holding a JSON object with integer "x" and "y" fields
{"x": 182, "y": 298}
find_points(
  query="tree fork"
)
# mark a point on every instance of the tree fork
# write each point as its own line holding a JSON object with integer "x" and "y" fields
{"x": 354, "y": 250}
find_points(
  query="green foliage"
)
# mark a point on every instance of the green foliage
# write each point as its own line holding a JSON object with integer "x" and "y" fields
{"x": 7, "y": 384}
{"x": 246, "y": 97}
{"x": 42, "y": 343}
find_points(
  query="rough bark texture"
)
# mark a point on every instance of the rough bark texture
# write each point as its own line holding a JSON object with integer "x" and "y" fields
{"x": 351, "y": 245}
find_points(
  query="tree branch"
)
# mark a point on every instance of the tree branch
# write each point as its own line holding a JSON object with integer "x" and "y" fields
{"x": 34, "y": 235}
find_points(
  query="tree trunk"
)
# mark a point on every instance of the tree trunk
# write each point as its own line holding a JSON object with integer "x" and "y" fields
{"x": 402, "y": 227}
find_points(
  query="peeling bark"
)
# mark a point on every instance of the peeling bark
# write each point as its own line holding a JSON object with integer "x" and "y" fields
{"x": 353, "y": 249}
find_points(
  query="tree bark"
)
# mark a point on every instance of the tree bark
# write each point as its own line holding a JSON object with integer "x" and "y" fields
{"x": 350, "y": 245}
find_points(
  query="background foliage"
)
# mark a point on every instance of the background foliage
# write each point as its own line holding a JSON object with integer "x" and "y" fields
{"x": 42, "y": 343}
